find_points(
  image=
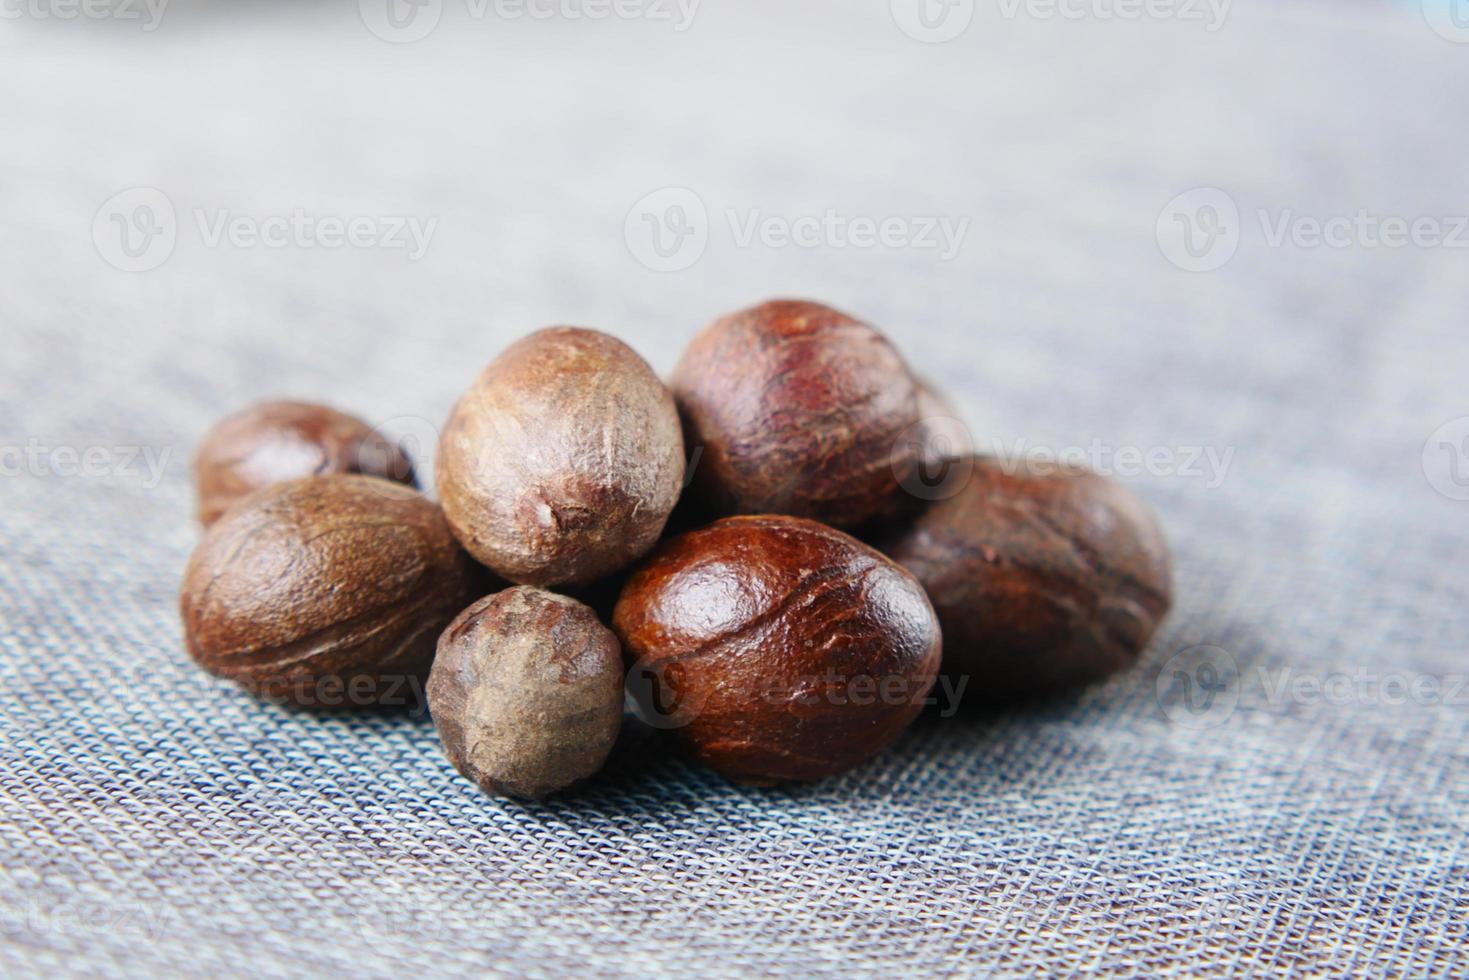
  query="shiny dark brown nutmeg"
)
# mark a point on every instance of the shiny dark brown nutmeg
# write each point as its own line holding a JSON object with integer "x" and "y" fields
{"x": 777, "y": 648}
{"x": 286, "y": 440}
{"x": 563, "y": 461}
{"x": 798, "y": 409}
{"x": 328, "y": 592}
{"x": 1044, "y": 577}
{"x": 526, "y": 692}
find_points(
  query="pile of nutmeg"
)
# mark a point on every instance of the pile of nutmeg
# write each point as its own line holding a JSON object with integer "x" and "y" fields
{"x": 790, "y": 641}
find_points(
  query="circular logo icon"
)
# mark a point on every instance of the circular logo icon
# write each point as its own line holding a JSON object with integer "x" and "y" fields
{"x": 668, "y": 230}
{"x": 392, "y": 919}
{"x": 1446, "y": 459}
{"x": 1199, "y": 230}
{"x": 401, "y": 21}
{"x": 1199, "y": 687}
{"x": 397, "y": 445}
{"x": 661, "y": 697}
{"x": 1209, "y": 917}
{"x": 934, "y": 458}
{"x": 1448, "y": 18}
{"x": 136, "y": 230}
{"x": 933, "y": 21}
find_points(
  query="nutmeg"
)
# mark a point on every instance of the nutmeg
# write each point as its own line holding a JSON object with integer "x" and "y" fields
{"x": 286, "y": 440}
{"x": 777, "y": 648}
{"x": 563, "y": 461}
{"x": 526, "y": 692}
{"x": 795, "y": 408}
{"x": 326, "y": 592}
{"x": 1044, "y": 576}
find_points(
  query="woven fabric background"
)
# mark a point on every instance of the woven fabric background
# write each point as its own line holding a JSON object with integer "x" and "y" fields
{"x": 1280, "y": 787}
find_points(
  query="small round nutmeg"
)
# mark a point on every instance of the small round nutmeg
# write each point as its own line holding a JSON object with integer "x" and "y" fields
{"x": 777, "y": 648}
{"x": 798, "y": 409}
{"x": 285, "y": 440}
{"x": 526, "y": 692}
{"x": 563, "y": 461}
{"x": 1044, "y": 576}
{"x": 327, "y": 592}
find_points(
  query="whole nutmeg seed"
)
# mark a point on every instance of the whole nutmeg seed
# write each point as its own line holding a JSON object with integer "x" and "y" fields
{"x": 1044, "y": 576}
{"x": 327, "y": 592}
{"x": 526, "y": 692}
{"x": 777, "y": 648}
{"x": 798, "y": 409}
{"x": 563, "y": 461}
{"x": 286, "y": 440}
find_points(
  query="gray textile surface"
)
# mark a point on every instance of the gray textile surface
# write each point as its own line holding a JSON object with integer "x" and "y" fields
{"x": 153, "y": 821}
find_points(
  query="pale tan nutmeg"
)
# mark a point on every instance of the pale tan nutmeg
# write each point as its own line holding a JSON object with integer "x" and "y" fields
{"x": 526, "y": 692}
{"x": 562, "y": 462}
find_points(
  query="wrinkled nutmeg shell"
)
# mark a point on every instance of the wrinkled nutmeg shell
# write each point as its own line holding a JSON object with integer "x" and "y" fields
{"x": 563, "y": 461}
{"x": 526, "y": 692}
{"x": 1044, "y": 577}
{"x": 327, "y": 592}
{"x": 777, "y": 648}
{"x": 798, "y": 409}
{"x": 285, "y": 440}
